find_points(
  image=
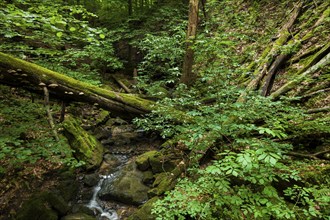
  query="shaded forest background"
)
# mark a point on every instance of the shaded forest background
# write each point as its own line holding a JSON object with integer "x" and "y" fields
{"x": 249, "y": 115}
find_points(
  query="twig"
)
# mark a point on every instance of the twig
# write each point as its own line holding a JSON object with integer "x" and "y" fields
{"x": 50, "y": 117}
{"x": 122, "y": 84}
{"x": 310, "y": 156}
{"x": 317, "y": 110}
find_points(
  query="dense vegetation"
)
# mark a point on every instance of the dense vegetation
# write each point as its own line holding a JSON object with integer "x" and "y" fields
{"x": 254, "y": 149}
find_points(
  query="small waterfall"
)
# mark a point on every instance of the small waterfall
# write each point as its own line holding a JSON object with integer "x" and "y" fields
{"x": 95, "y": 206}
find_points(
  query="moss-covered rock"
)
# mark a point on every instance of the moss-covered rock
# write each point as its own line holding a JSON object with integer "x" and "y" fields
{"x": 36, "y": 209}
{"x": 78, "y": 216}
{"x": 87, "y": 148}
{"x": 46, "y": 205}
{"x": 161, "y": 184}
{"x": 127, "y": 188}
{"x": 155, "y": 160}
{"x": 144, "y": 212}
{"x": 142, "y": 161}
{"x": 148, "y": 177}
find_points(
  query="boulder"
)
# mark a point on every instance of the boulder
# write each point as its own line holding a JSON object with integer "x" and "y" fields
{"x": 78, "y": 216}
{"x": 155, "y": 160}
{"x": 127, "y": 187}
{"x": 110, "y": 164}
{"x": 144, "y": 212}
{"x": 91, "y": 179}
{"x": 87, "y": 148}
{"x": 46, "y": 205}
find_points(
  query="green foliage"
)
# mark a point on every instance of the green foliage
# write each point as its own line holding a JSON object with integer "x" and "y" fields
{"x": 242, "y": 182}
{"x": 161, "y": 40}
{"x": 249, "y": 138}
{"x": 59, "y": 36}
{"x": 239, "y": 185}
{"x": 26, "y": 136}
{"x": 162, "y": 62}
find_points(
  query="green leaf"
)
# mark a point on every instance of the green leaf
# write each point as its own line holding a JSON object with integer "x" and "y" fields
{"x": 59, "y": 34}
{"x": 272, "y": 161}
{"x": 102, "y": 36}
{"x": 72, "y": 29}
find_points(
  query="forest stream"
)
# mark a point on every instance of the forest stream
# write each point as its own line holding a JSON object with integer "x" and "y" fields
{"x": 164, "y": 109}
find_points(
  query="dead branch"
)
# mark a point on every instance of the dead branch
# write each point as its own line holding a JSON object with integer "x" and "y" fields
{"x": 314, "y": 156}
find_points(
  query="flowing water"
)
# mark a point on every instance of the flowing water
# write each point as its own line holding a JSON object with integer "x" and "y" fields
{"x": 95, "y": 206}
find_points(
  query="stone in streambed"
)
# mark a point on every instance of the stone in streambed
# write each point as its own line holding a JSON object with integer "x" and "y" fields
{"x": 78, "y": 216}
{"x": 127, "y": 188}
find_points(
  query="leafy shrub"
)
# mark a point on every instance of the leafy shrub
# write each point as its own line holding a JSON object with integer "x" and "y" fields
{"x": 26, "y": 136}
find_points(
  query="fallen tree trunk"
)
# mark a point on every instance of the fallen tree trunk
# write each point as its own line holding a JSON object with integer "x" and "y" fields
{"x": 29, "y": 76}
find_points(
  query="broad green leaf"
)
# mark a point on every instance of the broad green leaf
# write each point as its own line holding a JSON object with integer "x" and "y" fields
{"x": 59, "y": 34}
{"x": 102, "y": 36}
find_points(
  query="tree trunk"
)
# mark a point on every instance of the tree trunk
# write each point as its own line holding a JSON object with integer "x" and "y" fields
{"x": 188, "y": 76}
{"x": 29, "y": 76}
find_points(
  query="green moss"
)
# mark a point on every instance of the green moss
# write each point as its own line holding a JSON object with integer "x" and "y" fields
{"x": 46, "y": 75}
{"x": 144, "y": 212}
{"x": 78, "y": 216}
{"x": 87, "y": 148}
{"x": 142, "y": 161}
{"x": 163, "y": 182}
{"x": 317, "y": 174}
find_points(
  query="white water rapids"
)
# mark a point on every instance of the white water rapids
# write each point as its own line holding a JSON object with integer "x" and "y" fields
{"x": 95, "y": 206}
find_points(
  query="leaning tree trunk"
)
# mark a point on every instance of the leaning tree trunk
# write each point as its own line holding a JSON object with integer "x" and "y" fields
{"x": 29, "y": 76}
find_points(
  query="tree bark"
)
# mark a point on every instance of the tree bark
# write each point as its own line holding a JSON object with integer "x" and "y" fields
{"x": 20, "y": 73}
{"x": 301, "y": 76}
{"x": 188, "y": 76}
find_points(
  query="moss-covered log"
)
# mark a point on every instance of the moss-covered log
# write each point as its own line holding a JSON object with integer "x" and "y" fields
{"x": 23, "y": 74}
{"x": 298, "y": 79}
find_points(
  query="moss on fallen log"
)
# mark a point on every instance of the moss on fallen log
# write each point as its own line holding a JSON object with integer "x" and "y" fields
{"x": 20, "y": 73}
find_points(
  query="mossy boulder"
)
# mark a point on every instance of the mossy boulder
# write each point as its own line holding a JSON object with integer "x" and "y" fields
{"x": 156, "y": 161}
{"x": 46, "y": 205}
{"x": 148, "y": 177}
{"x": 127, "y": 188}
{"x": 87, "y": 148}
{"x": 144, "y": 212}
{"x": 163, "y": 182}
{"x": 142, "y": 161}
{"x": 78, "y": 216}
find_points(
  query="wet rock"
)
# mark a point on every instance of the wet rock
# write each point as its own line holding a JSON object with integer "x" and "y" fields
{"x": 127, "y": 188}
{"x": 144, "y": 212}
{"x": 82, "y": 208}
{"x": 103, "y": 132}
{"x": 78, "y": 216}
{"x": 111, "y": 160}
{"x": 87, "y": 148}
{"x": 116, "y": 121}
{"x": 91, "y": 179}
{"x": 124, "y": 134}
{"x": 109, "y": 165}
